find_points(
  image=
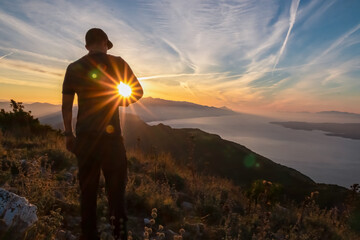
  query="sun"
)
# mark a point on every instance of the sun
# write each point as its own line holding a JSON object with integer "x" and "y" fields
{"x": 124, "y": 89}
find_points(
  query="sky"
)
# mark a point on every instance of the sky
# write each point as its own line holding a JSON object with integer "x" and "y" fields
{"x": 248, "y": 55}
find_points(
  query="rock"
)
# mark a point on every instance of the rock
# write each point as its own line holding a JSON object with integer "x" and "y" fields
{"x": 24, "y": 166}
{"x": 16, "y": 212}
{"x": 146, "y": 221}
{"x": 187, "y": 206}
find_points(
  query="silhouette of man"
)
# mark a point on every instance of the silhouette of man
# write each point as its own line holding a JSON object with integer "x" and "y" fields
{"x": 98, "y": 144}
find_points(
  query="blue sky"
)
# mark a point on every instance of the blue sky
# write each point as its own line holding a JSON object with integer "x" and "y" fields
{"x": 248, "y": 55}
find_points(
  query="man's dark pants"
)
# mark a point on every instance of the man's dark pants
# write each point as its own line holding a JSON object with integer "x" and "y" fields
{"x": 104, "y": 152}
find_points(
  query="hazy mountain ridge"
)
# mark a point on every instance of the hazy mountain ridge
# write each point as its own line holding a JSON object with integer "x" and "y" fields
{"x": 345, "y": 130}
{"x": 340, "y": 113}
{"x": 156, "y": 109}
{"x": 37, "y": 109}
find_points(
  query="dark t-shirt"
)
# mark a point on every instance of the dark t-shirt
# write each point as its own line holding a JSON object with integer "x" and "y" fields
{"x": 94, "y": 78}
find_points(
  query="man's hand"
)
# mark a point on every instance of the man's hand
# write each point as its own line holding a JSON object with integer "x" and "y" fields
{"x": 67, "y": 103}
{"x": 70, "y": 143}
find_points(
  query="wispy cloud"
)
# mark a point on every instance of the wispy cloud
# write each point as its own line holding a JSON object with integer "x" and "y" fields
{"x": 292, "y": 18}
{"x": 337, "y": 43}
{"x": 236, "y": 53}
{"x": 8, "y": 54}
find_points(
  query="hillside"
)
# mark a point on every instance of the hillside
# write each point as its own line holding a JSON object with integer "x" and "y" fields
{"x": 212, "y": 155}
{"x": 183, "y": 195}
{"x": 169, "y": 196}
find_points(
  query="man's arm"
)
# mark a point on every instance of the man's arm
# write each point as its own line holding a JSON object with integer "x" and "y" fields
{"x": 67, "y": 105}
{"x": 136, "y": 88}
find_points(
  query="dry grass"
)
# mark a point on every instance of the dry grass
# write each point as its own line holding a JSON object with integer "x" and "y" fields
{"x": 193, "y": 205}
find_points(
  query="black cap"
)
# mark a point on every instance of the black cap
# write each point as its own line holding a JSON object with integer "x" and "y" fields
{"x": 95, "y": 35}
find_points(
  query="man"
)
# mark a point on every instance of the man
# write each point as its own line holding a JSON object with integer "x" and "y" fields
{"x": 98, "y": 144}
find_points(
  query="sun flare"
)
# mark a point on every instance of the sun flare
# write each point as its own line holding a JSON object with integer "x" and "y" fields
{"x": 124, "y": 89}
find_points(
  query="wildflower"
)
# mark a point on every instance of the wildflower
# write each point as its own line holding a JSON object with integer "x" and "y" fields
{"x": 154, "y": 214}
{"x": 161, "y": 227}
{"x": 152, "y": 221}
{"x": 182, "y": 231}
{"x": 313, "y": 194}
{"x": 154, "y": 210}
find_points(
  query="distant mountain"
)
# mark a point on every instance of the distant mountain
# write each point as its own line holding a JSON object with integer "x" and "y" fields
{"x": 339, "y": 113}
{"x": 156, "y": 109}
{"x": 37, "y": 109}
{"x": 345, "y": 130}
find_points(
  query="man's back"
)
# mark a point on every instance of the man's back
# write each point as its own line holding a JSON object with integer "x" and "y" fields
{"x": 94, "y": 78}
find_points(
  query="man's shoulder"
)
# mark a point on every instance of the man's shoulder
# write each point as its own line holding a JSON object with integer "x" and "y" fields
{"x": 78, "y": 64}
{"x": 115, "y": 58}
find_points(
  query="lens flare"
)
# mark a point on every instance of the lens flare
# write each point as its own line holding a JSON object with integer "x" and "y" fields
{"x": 124, "y": 89}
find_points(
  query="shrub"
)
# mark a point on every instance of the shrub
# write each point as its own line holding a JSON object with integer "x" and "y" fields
{"x": 20, "y": 122}
{"x": 58, "y": 160}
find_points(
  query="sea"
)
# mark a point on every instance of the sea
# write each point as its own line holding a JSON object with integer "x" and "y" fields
{"x": 325, "y": 159}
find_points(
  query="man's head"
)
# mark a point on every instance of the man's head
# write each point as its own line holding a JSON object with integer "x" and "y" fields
{"x": 97, "y": 40}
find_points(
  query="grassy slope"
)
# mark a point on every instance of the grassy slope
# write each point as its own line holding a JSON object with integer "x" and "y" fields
{"x": 219, "y": 207}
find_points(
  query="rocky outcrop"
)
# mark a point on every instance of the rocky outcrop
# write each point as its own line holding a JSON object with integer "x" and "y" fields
{"x": 16, "y": 213}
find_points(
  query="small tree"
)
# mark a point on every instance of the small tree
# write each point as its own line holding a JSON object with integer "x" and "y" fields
{"x": 20, "y": 122}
